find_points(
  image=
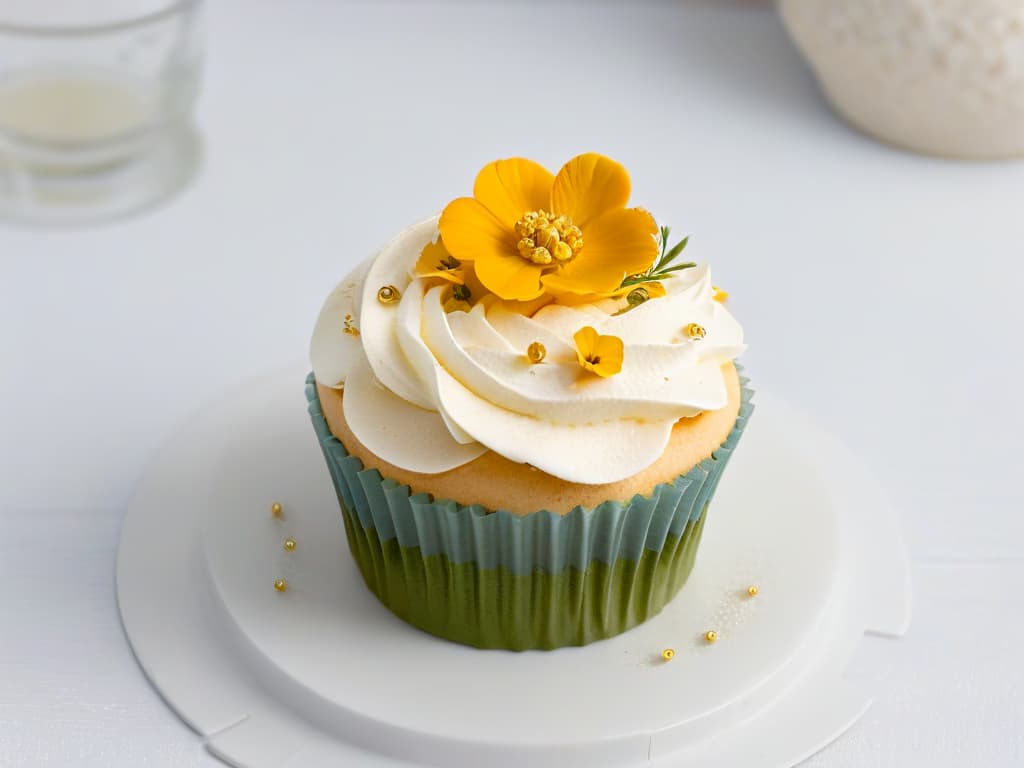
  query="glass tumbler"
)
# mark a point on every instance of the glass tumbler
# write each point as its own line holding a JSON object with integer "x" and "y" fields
{"x": 96, "y": 101}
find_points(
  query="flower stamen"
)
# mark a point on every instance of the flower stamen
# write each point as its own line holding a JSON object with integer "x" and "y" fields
{"x": 546, "y": 238}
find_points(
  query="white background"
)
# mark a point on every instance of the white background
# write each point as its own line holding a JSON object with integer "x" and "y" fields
{"x": 880, "y": 291}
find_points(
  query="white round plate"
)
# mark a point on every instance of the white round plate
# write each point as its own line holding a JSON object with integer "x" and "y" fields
{"x": 323, "y": 674}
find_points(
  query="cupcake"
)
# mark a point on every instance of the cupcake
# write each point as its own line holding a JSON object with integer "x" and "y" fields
{"x": 526, "y": 405}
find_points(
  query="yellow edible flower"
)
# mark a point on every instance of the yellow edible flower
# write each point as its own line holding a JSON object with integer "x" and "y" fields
{"x": 456, "y": 299}
{"x": 529, "y": 233}
{"x": 464, "y": 290}
{"x": 435, "y": 261}
{"x": 599, "y": 354}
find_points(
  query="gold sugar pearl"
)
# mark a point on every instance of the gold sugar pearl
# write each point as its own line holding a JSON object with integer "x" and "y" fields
{"x": 276, "y": 509}
{"x": 289, "y": 545}
{"x": 710, "y": 636}
{"x": 668, "y": 654}
{"x": 388, "y": 294}
{"x": 695, "y": 331}
{"x": 280, "y": 585}
{"x": 752, "y": 590}
{"x": 536, "y": 352}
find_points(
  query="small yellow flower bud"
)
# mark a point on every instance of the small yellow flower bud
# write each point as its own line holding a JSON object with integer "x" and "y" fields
{"x": 637, "y": 296}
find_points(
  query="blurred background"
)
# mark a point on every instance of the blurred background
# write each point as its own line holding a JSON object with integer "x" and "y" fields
{"x": 181, "y": 184}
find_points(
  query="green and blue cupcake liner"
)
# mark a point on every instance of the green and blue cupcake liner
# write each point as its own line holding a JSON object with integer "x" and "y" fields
{"x": 494, "y": 579}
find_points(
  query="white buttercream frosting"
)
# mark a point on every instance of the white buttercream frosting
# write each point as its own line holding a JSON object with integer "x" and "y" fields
{"x": 430, "y": 390}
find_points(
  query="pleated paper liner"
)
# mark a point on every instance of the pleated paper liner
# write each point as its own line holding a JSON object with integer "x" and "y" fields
{"x": 500, "y": 580}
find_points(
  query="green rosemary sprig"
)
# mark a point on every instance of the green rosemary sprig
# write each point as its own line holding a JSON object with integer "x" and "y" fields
{"x": 663, "y": 267}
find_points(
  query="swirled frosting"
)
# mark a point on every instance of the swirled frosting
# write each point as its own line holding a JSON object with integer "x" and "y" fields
{"x": 430, "y": 390}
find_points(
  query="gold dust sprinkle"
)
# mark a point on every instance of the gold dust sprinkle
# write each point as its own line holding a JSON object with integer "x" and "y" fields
{"x": 719, "y": 294}
{"x": 710, "y": 636}
{"x": 289, "y": 545}
{"x": 752, "y": 590}
{"x": 350, "y": 326}
{"x": 280, "y": 585}
{"x": 668, "y": 654}
{"x": 695, "y": 331}
{"x": 276, "y": 509}
{"x": 388, "y": 294}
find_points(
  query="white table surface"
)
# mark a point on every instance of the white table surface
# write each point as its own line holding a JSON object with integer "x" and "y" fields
{"x": 880, "y": 290}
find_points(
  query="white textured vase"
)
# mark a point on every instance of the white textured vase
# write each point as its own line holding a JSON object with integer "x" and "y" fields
{"x": 944, "y": 77}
